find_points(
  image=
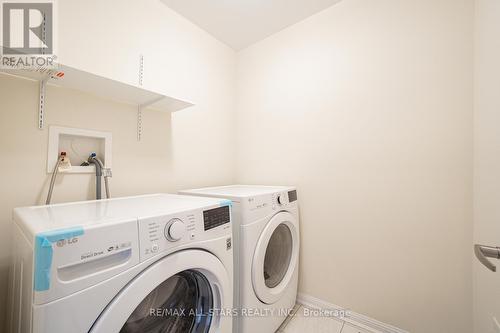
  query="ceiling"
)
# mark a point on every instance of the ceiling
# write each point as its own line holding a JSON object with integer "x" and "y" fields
{"x": 240, "y": 23}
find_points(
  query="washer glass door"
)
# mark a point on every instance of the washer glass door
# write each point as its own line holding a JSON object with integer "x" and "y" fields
{"x": 180, "y": 293}
{"x": 183, "y": 303}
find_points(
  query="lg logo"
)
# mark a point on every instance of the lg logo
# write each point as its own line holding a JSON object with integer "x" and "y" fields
{"x": 63, "y": 242}
{"x": 27, "y": 28}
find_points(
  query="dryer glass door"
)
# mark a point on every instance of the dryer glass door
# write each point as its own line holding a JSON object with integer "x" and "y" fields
{"x": 276, "y": 257}
{"x": 183, "y": 303}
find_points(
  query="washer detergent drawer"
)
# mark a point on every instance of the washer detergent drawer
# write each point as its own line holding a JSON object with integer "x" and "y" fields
{"x": 69, "y": 260}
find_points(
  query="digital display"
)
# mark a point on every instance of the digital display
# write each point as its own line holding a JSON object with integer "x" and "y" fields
{"x": 216, "y": 217}
{"x": 292, "y": 196}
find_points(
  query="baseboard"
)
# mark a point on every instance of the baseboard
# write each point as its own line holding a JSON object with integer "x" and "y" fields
{"x": 351, "y": 317}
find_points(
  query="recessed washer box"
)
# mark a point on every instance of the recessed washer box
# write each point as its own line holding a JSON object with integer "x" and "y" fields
{"x": 78, "y": 144}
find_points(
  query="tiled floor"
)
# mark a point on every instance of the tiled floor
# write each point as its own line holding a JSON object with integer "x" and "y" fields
{"x": 300, "y": 323}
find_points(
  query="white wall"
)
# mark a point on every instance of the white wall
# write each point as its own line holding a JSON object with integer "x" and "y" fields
{"x": 367, "y": 108}
{"x": 191, "y": 148}
{"x": 486, "y": 159}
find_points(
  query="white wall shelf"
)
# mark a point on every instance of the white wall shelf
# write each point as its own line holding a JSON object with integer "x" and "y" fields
{"x": 72, "y": 78}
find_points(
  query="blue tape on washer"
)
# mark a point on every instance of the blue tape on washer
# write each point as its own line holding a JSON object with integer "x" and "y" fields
{"x": 43, "y": 253}
{"x": 226, "y": 203}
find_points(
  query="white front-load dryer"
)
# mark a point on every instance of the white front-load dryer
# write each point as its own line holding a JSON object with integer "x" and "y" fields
{"x": 158, "y": 263}
{"x": 267, "y": 241}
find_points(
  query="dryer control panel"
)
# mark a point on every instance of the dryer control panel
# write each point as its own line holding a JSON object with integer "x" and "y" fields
{"x": 260, "y": 206}
{"x": 284, "y": 199}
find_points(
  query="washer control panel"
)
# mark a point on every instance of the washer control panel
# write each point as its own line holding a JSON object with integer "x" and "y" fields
{"x": 216, "y": 217}
{"x": 162, "y": 233}
{"x": 157, "y": 234}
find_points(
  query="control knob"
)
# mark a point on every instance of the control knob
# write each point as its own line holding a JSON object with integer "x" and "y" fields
{"x": 175, "y": 230}
{"x": 282, "y": 199}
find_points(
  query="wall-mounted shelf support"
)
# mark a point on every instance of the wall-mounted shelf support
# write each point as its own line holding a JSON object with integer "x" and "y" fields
{"x": 41, "y": 102}
{"x": 140, "y": 108}
{"x": 141, "y": 70}
{"x": 139, "y": 123}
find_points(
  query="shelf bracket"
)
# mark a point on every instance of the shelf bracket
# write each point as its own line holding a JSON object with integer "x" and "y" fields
{"x": 41, "y": 102}
{"x": 140, "y": 108}
{"x": 141, "y": 70}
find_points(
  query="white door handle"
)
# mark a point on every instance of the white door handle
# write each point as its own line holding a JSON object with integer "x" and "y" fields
{"x": 484, "y": 252}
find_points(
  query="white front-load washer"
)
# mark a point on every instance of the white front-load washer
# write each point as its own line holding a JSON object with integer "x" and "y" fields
{"x": 157, "y": 263}
{"x": 266, "y": 255}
